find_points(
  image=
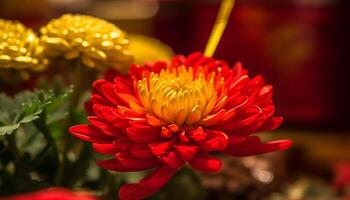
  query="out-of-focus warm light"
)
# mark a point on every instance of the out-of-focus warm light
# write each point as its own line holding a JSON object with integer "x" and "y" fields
{"x": 264, "y": 176}
{"x": 70, "y": 4}
{"x": 125, "y": 9}
{"x": 297, "y": 192}
{"x": 249, "y": 162}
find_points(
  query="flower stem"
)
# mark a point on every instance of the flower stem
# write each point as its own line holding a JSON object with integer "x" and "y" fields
{"x": 41, "y": 125}
{"x": 78, "y": 89}
{"x": 15, "y": 154}
{"x": 62, "y": 163}
{"x": 78, "y": 84}
{"x": 219, "y": 26}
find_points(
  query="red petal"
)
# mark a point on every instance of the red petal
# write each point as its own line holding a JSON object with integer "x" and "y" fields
{"x": 251, "y": 128}
{"x": 253, "y": 96}
{"x": 52, "y": 193}
{"x": 121, "y": 85}
{"x": 229, "y": 114}
{"x": 216, "y": 141}
{"x": 104, "y": 126}
{"x": 203, "y": 61}
{"x": 159, "y": 65}
{"x": 147, "y": 186}
{"x": 142, "y": 124}
{"x": 197, "y": 134}
{"x": 161, "y": 148}
{"x": 183, "y": 137}
{"x": 154, "y": 121}
{"x": 129, "y": 161}
{"x": 89, "y": 133}
{"x": 97, "y": 85}
{"x": 206, "y": 163}
{"x": 123, "y": 143}
{"x": 166, "y": 133}
{"x": 108, "y": 149}
{"x": 245, "y": 122}
{"x": 236, "y": 102}
{"x": 212, "y": 119}
{"x": 252, "y": 145}
{"x": 220, "y": 103}
{"x": 137, "y": 108}
{"x": 186, "y": 152}
{"x": 268, "y": 111}
{"x": 173, "y": 160}
{"x": 238, "y": 69}
{"x": 127, "y": 97}
{"x": 271, "y": 124}
{"x": 178, "y": 60}
{"x": 113, "y": 116}
{"x": 142, "y": 135}
{"x": 192, "y": 58}
{"x": 130, "y": 113}
{"x": 174, "y": 128}
{"x": 141, "y": 151}
{"x": 237, "y": 84}
{"x": 98, "y": 99}
{"x": 108, "y": 92}
{"x": 265, "y": 93}
{"x": 257, "y": 81}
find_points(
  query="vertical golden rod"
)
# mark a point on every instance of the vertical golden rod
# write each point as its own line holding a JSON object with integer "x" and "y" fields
{"x": 219, "y": 26}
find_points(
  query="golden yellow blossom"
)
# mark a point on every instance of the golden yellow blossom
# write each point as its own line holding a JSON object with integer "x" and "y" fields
{"x": 95, "y": 42}
{"x": 20, "y": 52}
{"x": 175, "y": 96}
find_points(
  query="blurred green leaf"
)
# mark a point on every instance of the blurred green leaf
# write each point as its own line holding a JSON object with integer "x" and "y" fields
{"x": 26, "y": 107}
{"x": 17, "y": 112}
{"x": 8, "y": 129}
{"x": 58, "y": 109}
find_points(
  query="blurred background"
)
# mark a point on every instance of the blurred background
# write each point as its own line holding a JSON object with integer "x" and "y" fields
{"x": 299, "y": 46}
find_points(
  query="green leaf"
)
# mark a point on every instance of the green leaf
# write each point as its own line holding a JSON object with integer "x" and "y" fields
{"x": 27, "y": 106}
{"x": 6, "y": 103}
{"x": 8, "y": 129}
{"x": 16, "y": 112}
{"x": 58, "y": 109}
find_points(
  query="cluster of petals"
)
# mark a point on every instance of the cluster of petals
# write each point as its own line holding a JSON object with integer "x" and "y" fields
{"x": 21, "y": 53}
{"x": 164, "y": 115}
{"x": 96, "y": 43}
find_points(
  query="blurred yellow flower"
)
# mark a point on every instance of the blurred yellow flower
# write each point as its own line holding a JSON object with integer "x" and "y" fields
{"x": 146, "y": 48}
{"x": 95, "y": 42}
{"x": 20, "y": 52}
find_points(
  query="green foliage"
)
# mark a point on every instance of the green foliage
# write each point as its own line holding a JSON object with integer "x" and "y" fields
{"x": 17, "y": 111}
{"x": 26, "y": 107}
{"x": 28, "y": 150}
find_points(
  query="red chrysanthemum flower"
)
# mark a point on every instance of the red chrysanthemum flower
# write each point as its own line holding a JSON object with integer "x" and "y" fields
{"x": 164, "y": 115}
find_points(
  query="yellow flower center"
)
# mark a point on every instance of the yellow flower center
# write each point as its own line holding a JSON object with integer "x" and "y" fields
{"x": 177, "y": 96}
